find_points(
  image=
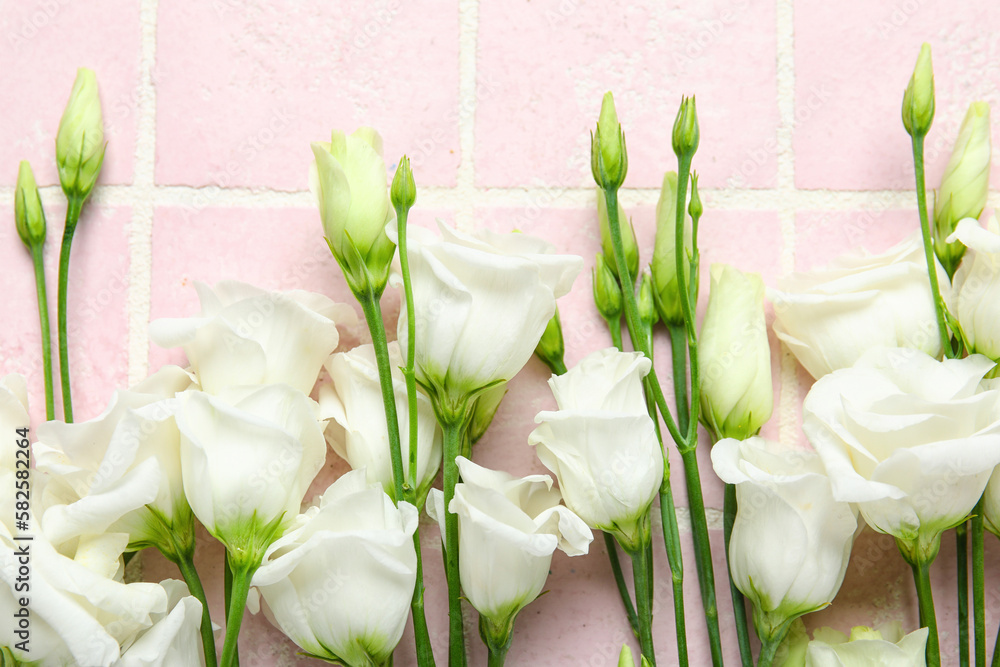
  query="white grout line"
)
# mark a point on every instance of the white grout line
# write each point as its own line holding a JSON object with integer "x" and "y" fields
{"x": 142, "y": 201}
{"x": 785, "y": 34}
{"x": 468, "y": 32}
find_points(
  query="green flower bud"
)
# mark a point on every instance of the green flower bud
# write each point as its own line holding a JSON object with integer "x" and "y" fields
{"x": 666, "y": 292}
{"x": 80, "y": 140}
{"x": 625, "y": 658}
{"x": 628, "y": 239}
{"x": 918, "y": 100}
{"x": 646, "y": 302}
{"x": 28, "y": 214}
{"x": 608, "y": 157}
{"x": 607, "y": 293}
{"x": 551, "y": 348}
{"x": 485, "y": 409}
{"x": 404, "y": 190}
{"x": 695, "y": 208}
{"x": 965, "y": 184}
{"x": 734, "y": 356}
{"x": 686, "y": 134}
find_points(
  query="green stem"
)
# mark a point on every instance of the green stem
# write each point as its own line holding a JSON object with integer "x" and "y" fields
{"x": 962, "y": 578}
{"x": 739, "y": 604}
{"x": 687, "y": 304}
{"x": 186, "y": 565}
{"x": 672, "y": 544}
{"x": 678, "y": 352}
{"x": 616, "y": 570}
{"x": 641, "y": 565}
{"x": 996, "y": 650}
{"x": 421, "y": 635}
{"x": 453, "y": 436}
{"x": 702, "y": 552}
{"x": 43, "y": 318}
{"x": 615, "y": 328}
{"x": 75, "y": 205}
{"x": 978, "y": 585}
{"x": 928, "y": 619}
{"x": 925, "y": 231}
{"x": 496, "y": 657}
{"x": 234, "y": 618}
{"x": 227, "y": 592}
{"x": 373, "y": 317}
{"x": 769, "y": 645}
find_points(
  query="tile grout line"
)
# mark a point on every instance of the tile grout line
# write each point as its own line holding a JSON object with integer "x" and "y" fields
{"x": 468, "y": 35}
{"x": 785, "y": 78}
{"x": 142, "y": 193}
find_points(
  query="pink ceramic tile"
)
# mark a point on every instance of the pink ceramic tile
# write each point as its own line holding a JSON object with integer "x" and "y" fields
{"x": 97, "y": 314}
{"x": 545, "y": 65}
{"x": 45, "y": 41}
{"x": 823, "y": 236}
{"x": 853, "y": 60}
{"x": 242, "y": 90}
{"x": 274, "y": 248}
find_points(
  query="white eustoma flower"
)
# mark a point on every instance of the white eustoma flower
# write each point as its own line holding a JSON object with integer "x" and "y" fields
{"x": 508, "y": 529}
{"x": 910, "y": 439}
{"x": 829, "y": 318}
{"x": 339, "y": 581}
{"x": 481, "y": 304}
{"x": 884, "y": 646}
{"x": 357, "y": 429}
{"x": 602, "y": 445}
{"x": 791, "y": 540}
{"x": 174, "y": 639}
{"x": 975, "y": 290}
{"x": 118, "y": 472}
{"x": 734, "y": 356}
{"x": 247, "y": 461}
{"x": 248, "y": 336}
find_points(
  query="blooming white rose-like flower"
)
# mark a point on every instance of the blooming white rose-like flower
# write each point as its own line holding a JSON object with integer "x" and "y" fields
{"x": 508, "y": 529}
{"x": 791, "y": 540}
{"x": 910, "y": 439}
{"x": 247, "y": 459}
{"x": 602, "y": 445}
{"x": 174, "y": 638}
{"x": 734, "y": 356}
{"x": 339, "y": 581}
{"x": 481, "y": 303}
{"x": 357, "y": 429}
{"x": 975, "y": 290}
{"x": 885, "y": 646}
{"x": 248, "y": 336}
{"x": 119, "y": 472}
{"x": 829, "y": 318}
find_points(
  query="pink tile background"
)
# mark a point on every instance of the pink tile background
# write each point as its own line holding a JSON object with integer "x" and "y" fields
{"x": 494, "y": 102}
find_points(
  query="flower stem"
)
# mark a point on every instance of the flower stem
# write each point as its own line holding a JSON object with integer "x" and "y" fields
{"x": 73, "y": 209}
{"x": 672, "y": 544}
{"x": 497, "y": 657}
{"x": 702, "y": 552}
{"x": 687, "y": 303}
{"x": 641, "y": 567}
{"x": 739, "y": 604}
{"x": 616, "y": 570}
{"x": 928, "y": 619}
{"x": 43, "y": 317}
{"x": 925, "y": 231}
{"x": 234, "y": 617}
{"x": 373, "y": 317}
{"x": 978, "y": 585}
{"x": 185, "y": 563}
{"x": 227, "y": 591}
{"x": 996, "y": 650}
{"x": 453, "y": 436}
{"x": 769, "y": 645}
{"x": 962, "y": 579}
{"x": 615, "y": 328}
{"x": 678, "y": 351}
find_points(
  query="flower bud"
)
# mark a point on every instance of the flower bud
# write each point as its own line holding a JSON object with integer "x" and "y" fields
{"x": 28, "y": 214}
{"x": 629, "y": 244}
{"x": 695, "y": 207}
{"x": 965, "y": 184}
{"x": 918, "y": 100}
{"x": 551, "y": 348}
{"x": 404, "y": 190}
{"x": 485, "y": 409}
{"x": 625, "y": 658}
{"x": 646, "y": 302}
{"x": 736, "y": 393}
{"x": 607, "y": 293}
{"x": 80, "y": 140}
{"x": 664, "y": 265}
{"x": 608, "y": 157}
{"x": 686, "y": 134}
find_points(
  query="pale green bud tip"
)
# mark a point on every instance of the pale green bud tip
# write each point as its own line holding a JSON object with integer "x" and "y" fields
{"x": 695, "y": 208}
{"x": 645, "y": 302}
{"x": 80, "y": 140}
{"x": 608, "y": 157}
{"x": 625, "y": 657}
{"x": 404, "y": 189}
{"x": 28, "y": 214}
{"x": 686, "y": 133}
{"x": 607, "y": 293}
{"x": 551, "y": 346}
{"x": 918, "y": 100}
